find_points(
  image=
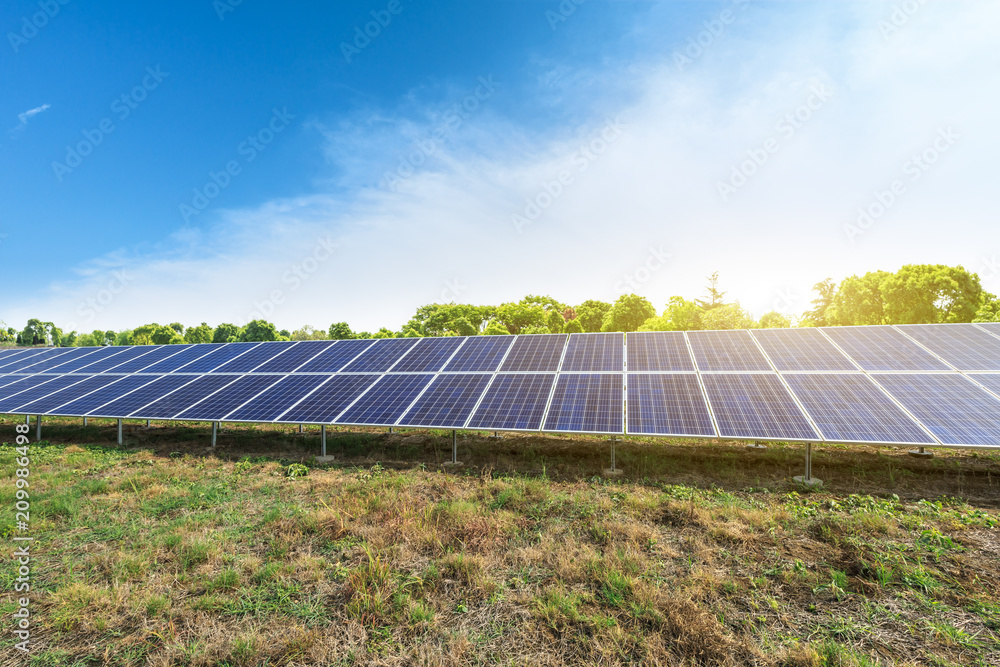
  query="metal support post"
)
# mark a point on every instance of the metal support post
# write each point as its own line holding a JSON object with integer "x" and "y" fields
{"x": 215, "y": 433}
{"x": 390, "y": 429}
{"x": 147, "y": 423}
{"x": 454, "y": 449}
{"x": 38, "y": 427}
{"x": 613, "y": 471}
{"x": 920, "y": 453}
{"x": 27, "y": 420}
{"x": 119, "y": 431}
{"x": 322, "y": 437}
{"x": 808, "y": 479}
{"x": 300, "y": 428}
{"x": 84, "y": 421}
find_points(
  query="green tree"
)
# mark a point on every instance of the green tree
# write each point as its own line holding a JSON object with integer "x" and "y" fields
{"x": 517, "y": 317}
{"x": 826, "y": 291}
{"x": 555, "y": 322}
{"x": 628, "y": 313}
{"x": 574, "y": 326}
{"x": 535, "y": 329}
{"x": 859, "y": 301}
{"x": 727, "y": 316}
{"x": 715, "y": 296}
{"x": 85, "y": 340}
{"x": 546, "y": 302}
{"x": 258, "y": 330}
{"x": 774, "y": 320}
{"x": 495, "y": 329}
{"x": 8, "y": 335}
{"x": 178, "y": 327}
{"x": 591, "y": 314}
{"x": 123, "y": 337}
{"x": 383, "y": 333}
{"x": 308, "y": 333}
{"x": 68, "y": 340}
{"x": 341, "y": 331}
{"x": 680, "y": 315}
{"x": 932, "y": 293}
{"x": 225, "y": 332}
{"x": 34, "y": 333}
{"x": 990, "y": 310}
{"x": 463, "y": 327}
{"x": 199, "y": 334}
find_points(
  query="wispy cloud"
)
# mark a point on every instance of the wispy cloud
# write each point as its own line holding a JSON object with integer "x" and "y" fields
{"x": 24, "y": 117}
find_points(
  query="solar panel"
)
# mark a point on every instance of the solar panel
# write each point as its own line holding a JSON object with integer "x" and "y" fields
{"x": 129, "y": 403}
{"x": 9, "y": 379}
{"x": 535, "y": 353}
{"x": 46, "y": 385}
{"x": 99, "y": 354}
{"x": 992, "y": 327}
{"x": 385, "y": 402}
{"x": 254, "y": 357}
{"x": 803, "y": 349}
{"x": 87, "y": 384}
{"x": 954, "y": 409}
{"x": 448, "y": 402}
{"x": 381, "y": 356}
{"x": 30, "y": 362}
{"x": 480, "y": 353}
{"x": 756, "y": 406}
{"x": 85, "y": 404}
{"x": 323, "y": 405}
{"x": 667, "y": 404}
{"x": 133, "y": 359}
{"x": 55, "y": 363}
{"x": 594, "y": 352}
{"x": 184, "y": 397}
{"x": 726, "y": 351}
{"x": 334, "y": 358}
{"x": 882, "y": 348}
{"x": 186, "y": 355}
{"x": 219, "y": 356}
{"x": 988, "y": 380}
{"x": 277, "y": 399}
{"x": 587, "y": 403}
{"x": 658, "y": 351}
{"x": 514, "y": 402}
{"x": 295, "y": 357}
{"x": 429, "y": 355}
{"x": 23, "y": 383}
{"x": 220, "y": 404}
{"x": 16, "y": 356}
{"x": 964, "y": 346}
{"x": 851, "y": 408}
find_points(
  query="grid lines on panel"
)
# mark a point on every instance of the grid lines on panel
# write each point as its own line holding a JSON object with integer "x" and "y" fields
{"x": 23, "y": 383}
{"x": 756, "y": 406}
{"x": 146, "y": 394}
{"x": 667, "y": 404}
{"x": 46, "y": 385}
{"x": 219, "y": 356}
{"x": 221, "y": 403}
{"x": 726, "y": 351}
{"x": 256, "y": 356}
{"x": 594, "y": 352}
{"x": 882, "y": 348}
{"x": 8, "y": 362}
{"x": 29, "y": 363}
{"x": 480, "y": 354}
{"x": 87, "y": 384}
{"x": 514, "y": 402}
{"x": 992, "y": 327}
{"x": 336, "y": 357}
{"x": 964, "y": 346}
{"x": 658, "y": 351}
{"x": 119, "y": 388}
{"x": 381, "y": 356}
{"x": 589, "y": 403}
{"x": 134, "y": 359}
{"x": 295, "y": 357}
{"x": 83, "y": 364}
{"x": 954, "y": 409}
{"x": 188, "y": 354}
{"x": 535, "y": 353}
{"x": 448, "y": 401}
{"x": 185, "y": 397}
{"x": 277, "y": 399}
{"x": 323, "y": 405}
{"x": 989, "y": 380}
{"x": 851, "y": 408}
{"x": 802, "y": 349}
{"x": 386, "y": 401}
{"x": 67, "y": 363}
{"x": 429, "y": 355}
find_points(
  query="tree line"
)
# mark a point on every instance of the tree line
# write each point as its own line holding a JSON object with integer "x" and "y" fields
{"x": 915, "y": 294}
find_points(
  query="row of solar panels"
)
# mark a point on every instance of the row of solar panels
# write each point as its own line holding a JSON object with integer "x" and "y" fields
{"x": 700, "y": 384}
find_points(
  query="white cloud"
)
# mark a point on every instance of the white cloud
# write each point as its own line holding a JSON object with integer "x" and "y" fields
{"x": 447, "y": 232}
{"x": 24, "y": 116}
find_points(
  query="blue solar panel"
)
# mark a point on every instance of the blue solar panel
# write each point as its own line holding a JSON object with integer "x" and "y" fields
{"x": 851, "y": 408}
{"x": 16, "y": 356}
{"x": 87, "y": 384}
{"x": 99, "y": 354}
{"x": 594, "y": 352}
{"x": 23, "y": 383}
{"x": 428, "y": 356}
{"x": 989, "y": 380}
{"x": 94, "y": 400}
{"x": 333, "y": 359}
{"x": 955, "y": 410}
{"x": 133, "y": 359}
{"x": 726, "y": 351}
{"x": 28, "y": 364}
{"x": 56, "y": 364}
{"x": 667, "y": 404}
{"x": 590, "y": 403}
{"x": 882, "y": 348}
{"x": 757, "y": 407}
{"x": 219, "y": 355}
{"x": 295, "y": 357}
{"x": 804, "y": 349}
{"x": 323, "y": 405}
{"x": 276, "y": 400}
{"x": 221, "y": 403}
{"x": 126, "y": 405}
{"x": 381, "y": 356}
{"x": 514, "y": 402}
{"x": 480, "y": 353}
{"x": 964, "y": 346}
{"x": 254, "y": 357}
{"x": 658, "y": 351}
{"x": 536, "y": 353}
{"x": 183, "y": 398}
{"x": 9, "y": 379}
{"x": 992, "y": 327}
{"x": 386, "y": 401}
{"x": 187, "y": 354}
{"x": 448, "y": 402}
{"x": 46, "y": 385}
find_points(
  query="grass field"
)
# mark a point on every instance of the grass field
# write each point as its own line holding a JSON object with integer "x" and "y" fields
{"x": 160, "y": 553}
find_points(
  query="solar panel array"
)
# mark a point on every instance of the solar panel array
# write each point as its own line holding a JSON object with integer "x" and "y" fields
{"x": 921, "y": 385}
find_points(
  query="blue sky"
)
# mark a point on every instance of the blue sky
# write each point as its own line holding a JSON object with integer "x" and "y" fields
{"x": 479, "y": 151}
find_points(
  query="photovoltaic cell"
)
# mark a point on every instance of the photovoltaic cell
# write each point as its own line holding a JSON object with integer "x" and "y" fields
{"x": 45, "y": 386}
{"x": 955, "y": 410}
{"x": 56, "y": 363}
{"x": 594, "y": 352}
{"x": 988, "y": 380}
{"x": 221, "y": 403}
{"x": 428, "y": 356}
{"x": 381, "y": 356}
{"x": 992, "y": 327}
{"x": 514, "y": 402}
{"x": 276, "y": 400}
{"x": 220, "y": 355}
{"x": 13, "y": 357}
{"x": 667, "y": 404}
{"x": 386, "y": 401}
{"x": 589, "y": 403}
{"x": 756, "y": 407}
{"x": 9, "y": 379}
{"x": 133, "y": 359}
{"x": 94, "y": 400}
{"x": 333, "y": 359}
{"x": 87, "y": 384}
{"x": 126, "y": 405}
{"x": 101, "y": 354}
{"x": 802, "y": 349}
{"x": 183, "y": 398}
{"x": 882, "y": 348}
{"x": 726, "y": 351}
{"x": 658, "y": 351}
{"x": 536, "y": 353}
{"x": 851, "y": 408}
{"x": 22, "y": 384}
{"x": 448, "y": 402}
{"x": 964, "y": 346}
{"x": 254, "y": 357}
{"x": 187, "y": 354}
{"x": 323, "y": 405}
{"x": 295, "y": 357}
{"x": 480, "y": 353}
{"x": 28, "y": 364}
